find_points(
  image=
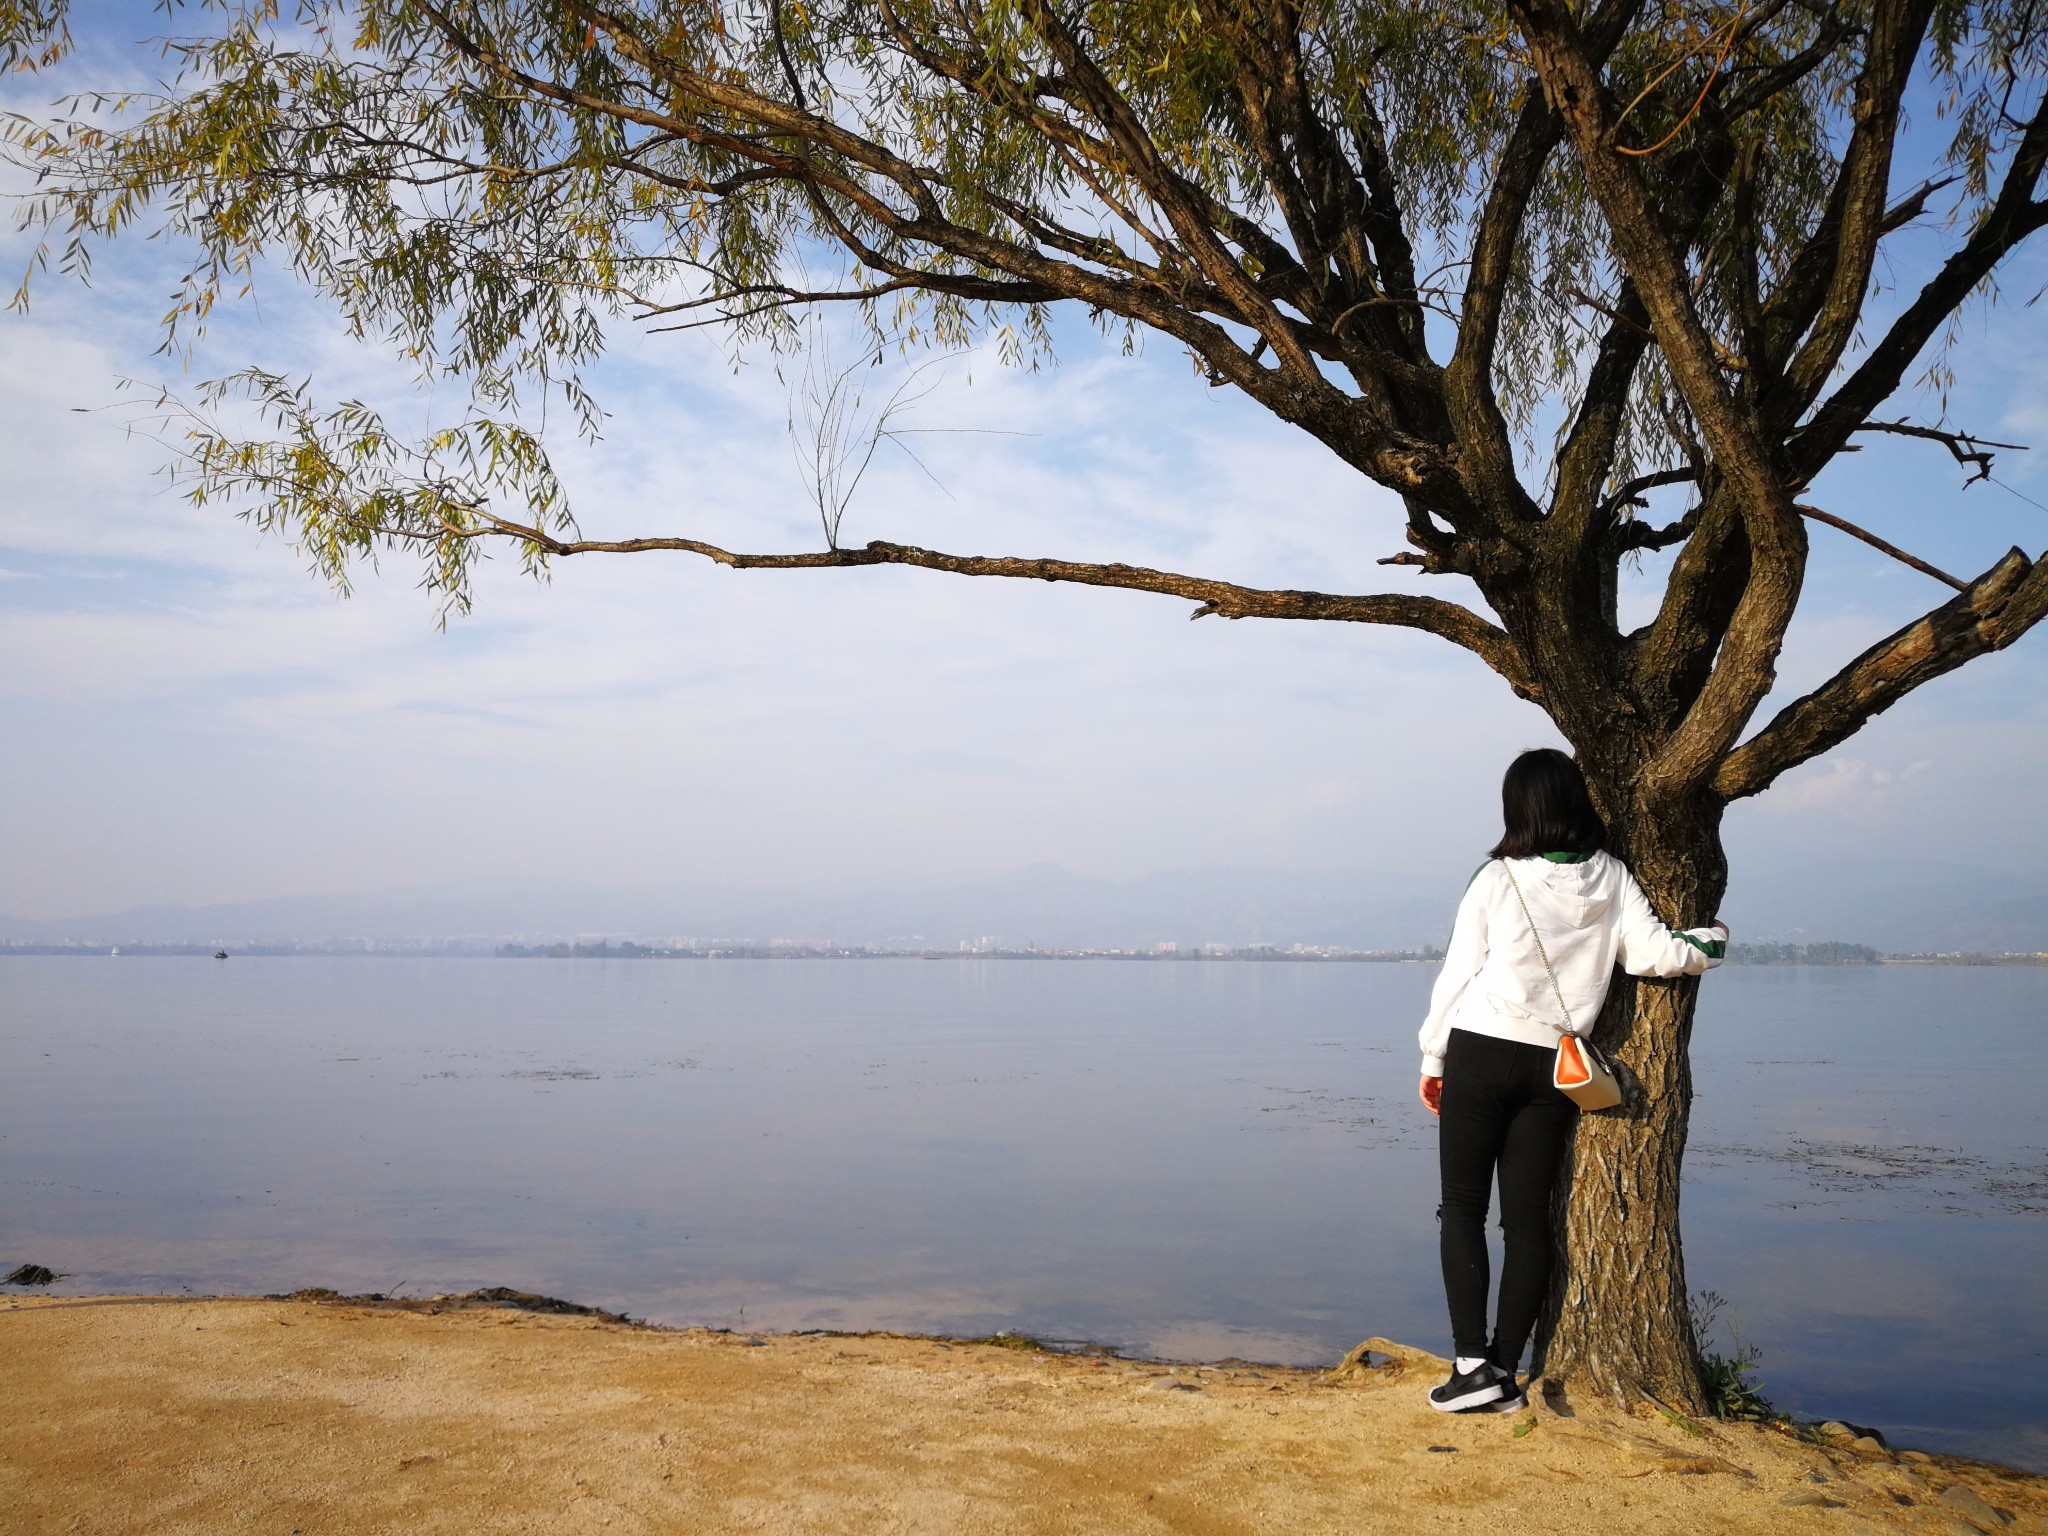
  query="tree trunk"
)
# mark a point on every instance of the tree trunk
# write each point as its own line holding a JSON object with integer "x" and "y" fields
{"x": 1621, "y": 1324}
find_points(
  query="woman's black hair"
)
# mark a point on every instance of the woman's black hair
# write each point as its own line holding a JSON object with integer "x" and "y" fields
{"x": 1545, "y": 808}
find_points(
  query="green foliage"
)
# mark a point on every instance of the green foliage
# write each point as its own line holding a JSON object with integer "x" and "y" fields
{"x": 33, "y": 34}
{"x": 1727, "y": 1381}
{"x": 1679, "y": 1420}
{"x": 1018, "y": 1341}
{"x": 487, "y": 186}
{"x": 1731, "y": 1390}
{"x": 343, "y": 487}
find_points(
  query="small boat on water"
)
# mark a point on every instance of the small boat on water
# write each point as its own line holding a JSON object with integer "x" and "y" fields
{"x": 220, "y": 954}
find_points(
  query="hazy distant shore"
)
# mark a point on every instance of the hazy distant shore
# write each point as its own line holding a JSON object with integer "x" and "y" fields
{"x": 1890, "y": 905}
{"x": 1826, "y": 954}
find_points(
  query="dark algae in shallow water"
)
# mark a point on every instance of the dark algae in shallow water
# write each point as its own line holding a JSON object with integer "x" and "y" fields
{"x": 500, "y": 1298}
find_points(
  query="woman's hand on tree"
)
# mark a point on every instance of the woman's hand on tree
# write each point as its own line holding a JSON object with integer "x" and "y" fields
{"x": 1433, "y": 1095}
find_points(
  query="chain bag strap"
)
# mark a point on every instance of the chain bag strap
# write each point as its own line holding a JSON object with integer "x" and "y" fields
{"x": 1580, "y": 1072}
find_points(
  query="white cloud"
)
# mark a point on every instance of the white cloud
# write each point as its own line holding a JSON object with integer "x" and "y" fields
{"x": 185, "y": 715}
{"x": 1844, "y": 786}
{"x": 640, "y": 717}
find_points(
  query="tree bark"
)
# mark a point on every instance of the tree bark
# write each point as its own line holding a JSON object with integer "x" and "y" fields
{"x": 1620, "y": 1321}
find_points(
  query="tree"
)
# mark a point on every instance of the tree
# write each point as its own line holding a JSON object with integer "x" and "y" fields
{"x": 1424, "y": 233}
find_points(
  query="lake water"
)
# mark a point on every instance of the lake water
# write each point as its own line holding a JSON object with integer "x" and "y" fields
{"x": 1190, "y": 1160}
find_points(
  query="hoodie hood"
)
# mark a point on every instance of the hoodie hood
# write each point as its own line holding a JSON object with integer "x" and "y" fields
{"x": 1574, "y": 895}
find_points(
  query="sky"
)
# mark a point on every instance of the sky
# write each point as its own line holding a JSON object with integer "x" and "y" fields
{"x": 186, "y": 715}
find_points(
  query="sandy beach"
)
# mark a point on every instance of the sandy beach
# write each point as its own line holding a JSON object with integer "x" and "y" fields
{"x": 314, "y": 1416}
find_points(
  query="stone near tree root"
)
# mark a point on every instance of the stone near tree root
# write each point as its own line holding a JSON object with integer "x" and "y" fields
{"x": 1810, "y": 1498}
{"x": 1974, "y": 1507}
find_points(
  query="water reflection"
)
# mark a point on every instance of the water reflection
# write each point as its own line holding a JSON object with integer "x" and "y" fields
{"x": 1191, "y": 1160}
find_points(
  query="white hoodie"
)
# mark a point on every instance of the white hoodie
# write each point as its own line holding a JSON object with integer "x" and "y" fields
{"x": 1592, "y": 915}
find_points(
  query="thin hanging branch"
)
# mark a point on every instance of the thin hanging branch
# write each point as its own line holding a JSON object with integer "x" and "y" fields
{"x": 1877, "y": 543}
{"x": 836, "y": 433}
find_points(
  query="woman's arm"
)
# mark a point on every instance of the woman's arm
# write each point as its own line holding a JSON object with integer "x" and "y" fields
{"x": 1649, "y": 948}
{"x": 1462, "y": 958}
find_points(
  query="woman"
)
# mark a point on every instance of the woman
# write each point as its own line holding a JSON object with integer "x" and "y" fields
{"x": 1489, "y": 1045}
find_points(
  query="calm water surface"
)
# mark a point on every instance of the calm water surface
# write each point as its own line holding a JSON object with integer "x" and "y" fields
{"x": 1187, "y": 1160}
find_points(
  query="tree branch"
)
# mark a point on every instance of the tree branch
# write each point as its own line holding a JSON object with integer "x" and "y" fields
{"x": 1087, "y": 156}
{"x": 1968, "y": 450}
{"x": 1586, "y": 458}
{"x": 761, "y": 298}
{"x": 1865, "y": 182}
{"x": 1582, "y": 522}
{"x": 1746, "y": 664}
{"x": 1991, "y": 613}
{"x": 2012, "y": 217}
{"x": 1797, "y": 298}
{"x": 1631, "y": 494}
{"x": 1266, "y": 92}
{"x": 1625, "y": 537}
{"x": 1468, "y": 380}
{"x": 1144, "y": 161}
{"x": 1742, "y": 274}
{"x": 1660, "y": 538}
{"x": 1393, "y": 254}
{"x": 1447, "y": 620}
{"x": 1875, "y": 542}
{"x": 1358, "y": 430}
{"x": 1498, "y": 232}
{"x": 1759, "y": 88}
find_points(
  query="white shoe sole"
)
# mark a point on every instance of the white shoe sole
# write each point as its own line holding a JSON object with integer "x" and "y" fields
{"x": 1476, "y": 1398}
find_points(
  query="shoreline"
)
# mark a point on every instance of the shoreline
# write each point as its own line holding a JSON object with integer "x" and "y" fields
{"x": 498, "y": 1411}
{"x": 777, "y": 950}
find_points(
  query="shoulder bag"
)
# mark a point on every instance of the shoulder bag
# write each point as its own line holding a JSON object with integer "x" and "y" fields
{"x": 1581, "y": 1073}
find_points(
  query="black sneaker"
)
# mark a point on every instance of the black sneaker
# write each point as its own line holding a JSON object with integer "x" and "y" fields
{"x": 1467, "y": 1389}
{"x": 1512, "y": 1399}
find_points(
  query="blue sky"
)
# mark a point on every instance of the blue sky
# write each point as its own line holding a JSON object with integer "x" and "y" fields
{"x": 186, "y": 716}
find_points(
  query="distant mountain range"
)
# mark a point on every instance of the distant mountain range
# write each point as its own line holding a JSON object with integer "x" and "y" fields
{"x": 1894, "y": 905}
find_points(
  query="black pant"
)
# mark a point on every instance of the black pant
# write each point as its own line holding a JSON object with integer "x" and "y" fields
{"x": 1500, "y": 1110}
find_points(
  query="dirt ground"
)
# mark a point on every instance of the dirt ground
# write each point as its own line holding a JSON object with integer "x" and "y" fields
{"x": 307, "y": 1418}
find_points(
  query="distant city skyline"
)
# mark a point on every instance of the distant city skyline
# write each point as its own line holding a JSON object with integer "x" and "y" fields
{"x": 1897, "y": 904}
